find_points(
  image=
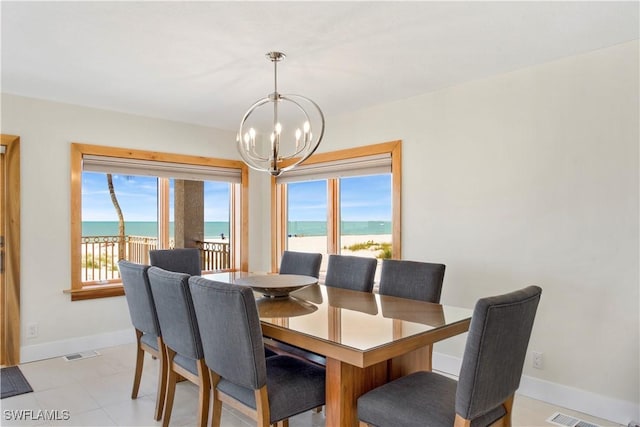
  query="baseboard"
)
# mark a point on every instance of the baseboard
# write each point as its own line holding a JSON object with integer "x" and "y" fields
{"x": 31, "y": 353}
{"x": 597, "y": 405}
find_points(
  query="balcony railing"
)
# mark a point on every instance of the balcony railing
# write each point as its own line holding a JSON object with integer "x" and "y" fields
{"x": 100, "y": 255}
{"x": 214, "y": 255}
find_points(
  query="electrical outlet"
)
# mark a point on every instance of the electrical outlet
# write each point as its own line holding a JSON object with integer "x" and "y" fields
{"x": 32, "y": 330}
{"x": 538, "y": 361}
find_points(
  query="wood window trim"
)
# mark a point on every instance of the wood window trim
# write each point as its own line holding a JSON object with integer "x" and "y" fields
{"x": 333, "y": 216}
{"x": 279, "y": 203}
{"x": 81, "y": 291}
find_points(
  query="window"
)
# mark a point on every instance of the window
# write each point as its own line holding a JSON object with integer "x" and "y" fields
{"x": 365, "y": 215}
{"x": 127, "y": 202}
{"x": 306, "y": 224}
{"x": 345, "y": 202}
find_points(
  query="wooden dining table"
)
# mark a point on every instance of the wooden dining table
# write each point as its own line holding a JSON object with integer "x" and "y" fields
{"x": 367, "y": 339}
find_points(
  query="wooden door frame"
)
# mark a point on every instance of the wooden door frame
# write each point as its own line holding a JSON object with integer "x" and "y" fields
{"x": 10, "y": 295}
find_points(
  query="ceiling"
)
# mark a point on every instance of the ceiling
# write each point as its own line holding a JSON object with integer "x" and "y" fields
{"x": 204, "y": 63}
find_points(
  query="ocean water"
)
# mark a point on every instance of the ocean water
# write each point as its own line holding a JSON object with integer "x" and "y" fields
{"x": 347, "y": 228}
{"x": 213, "y": 229}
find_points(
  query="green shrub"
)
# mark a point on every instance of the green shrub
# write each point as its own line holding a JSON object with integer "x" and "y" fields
{"x": 361, "y": 246}
{"x": 385, "y": 251}
{"x": 384, "y": 248}
{"x": 103, "y": 260}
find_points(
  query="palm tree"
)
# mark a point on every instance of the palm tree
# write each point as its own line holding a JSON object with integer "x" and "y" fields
{"x": 116, "y": 205}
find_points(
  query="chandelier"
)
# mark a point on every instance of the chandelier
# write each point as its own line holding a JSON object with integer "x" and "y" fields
{"x": 282, "y": 135}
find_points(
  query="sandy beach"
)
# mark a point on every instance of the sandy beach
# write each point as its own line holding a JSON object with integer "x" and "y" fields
{"x": 319, "y": 244}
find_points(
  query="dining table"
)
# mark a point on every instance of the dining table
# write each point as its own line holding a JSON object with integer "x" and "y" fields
{"x": 367, "y": 339}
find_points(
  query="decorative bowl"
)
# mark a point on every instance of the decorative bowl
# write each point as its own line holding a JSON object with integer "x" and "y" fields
{"x": 277, "y": 285}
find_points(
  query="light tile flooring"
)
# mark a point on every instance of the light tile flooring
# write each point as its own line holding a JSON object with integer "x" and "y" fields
{"x": 96, "y": 392}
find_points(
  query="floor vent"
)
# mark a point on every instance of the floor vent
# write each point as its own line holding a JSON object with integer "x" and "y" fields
{"x": 563, "y": 420}
{"x": 80, "y": 356}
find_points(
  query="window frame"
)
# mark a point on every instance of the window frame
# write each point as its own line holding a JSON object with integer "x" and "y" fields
{"x": 279, "y": 200}
{"x": 239, "y": 214}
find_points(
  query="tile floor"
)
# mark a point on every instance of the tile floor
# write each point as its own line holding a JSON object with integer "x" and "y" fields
{"x": 96, "y": 392}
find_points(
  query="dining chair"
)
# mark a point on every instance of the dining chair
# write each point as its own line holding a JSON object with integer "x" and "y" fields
{"x": 270, "y": 390}
{"x": 351, "y": 272}
{"x": 489, "y": 377}
{"x": 144, "y": 318}
{"x": 179, "y": 260}
{"x": 179, "y": 326}
{"x": 412, "y": 279}
{"x": 304, "y": 263}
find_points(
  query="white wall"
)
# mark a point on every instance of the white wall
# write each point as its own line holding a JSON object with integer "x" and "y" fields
{"x": 527, "y": 178}
{"x": 46, "y": 130}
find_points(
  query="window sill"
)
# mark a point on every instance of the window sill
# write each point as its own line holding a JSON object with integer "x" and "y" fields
{"x": 96, "y": 291}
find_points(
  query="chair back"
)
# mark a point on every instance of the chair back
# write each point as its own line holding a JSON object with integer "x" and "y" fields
{"x": 180, "y": 260}
{"x": 351, "y": 272}
{"x": 230, "y": 330}
{"x": 139, "y": 298}
{"x": 175, "y": 312}
{"x": 412, "y": 279}
{"x": 494, "y": 354}
{"x": 304, "y": 263}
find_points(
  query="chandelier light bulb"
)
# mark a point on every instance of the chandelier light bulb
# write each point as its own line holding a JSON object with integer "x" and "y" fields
{"x": 270, "y": 144}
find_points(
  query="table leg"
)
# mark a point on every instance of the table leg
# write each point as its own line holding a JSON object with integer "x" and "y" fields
{"x": 416, "y": 360}
{"x": 345, "y": 383}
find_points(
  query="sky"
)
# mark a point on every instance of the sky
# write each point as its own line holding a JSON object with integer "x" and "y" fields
{"x": 138, "y": 198}
{"x": 366, "y": 198}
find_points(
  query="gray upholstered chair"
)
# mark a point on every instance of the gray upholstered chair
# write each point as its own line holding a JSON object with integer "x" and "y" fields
{"x": 145, "y": 322}
{"x": 182, "y": 338}
{"x": 351, "y": 272}
{"x": 489, "y": 377}
{"x": 270, "y": 389}
{"x": 412, "y": 279}
{"x": 304, "y": 263}
{"x": 180, "y": 260}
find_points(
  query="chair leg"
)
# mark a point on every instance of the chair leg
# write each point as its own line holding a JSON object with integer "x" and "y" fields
{"x": 162, "y": 380}
{"x": 171, "y": 388}
{"x": 139, "y": 364}
{"x": 262, "y": 407}
{"x": 203, "y": 393}
{"x": 461, "y": 422}
{"x": 508, "y": 405}
{"x": 505, "y": 421}
{"x": 217, "y": 403}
